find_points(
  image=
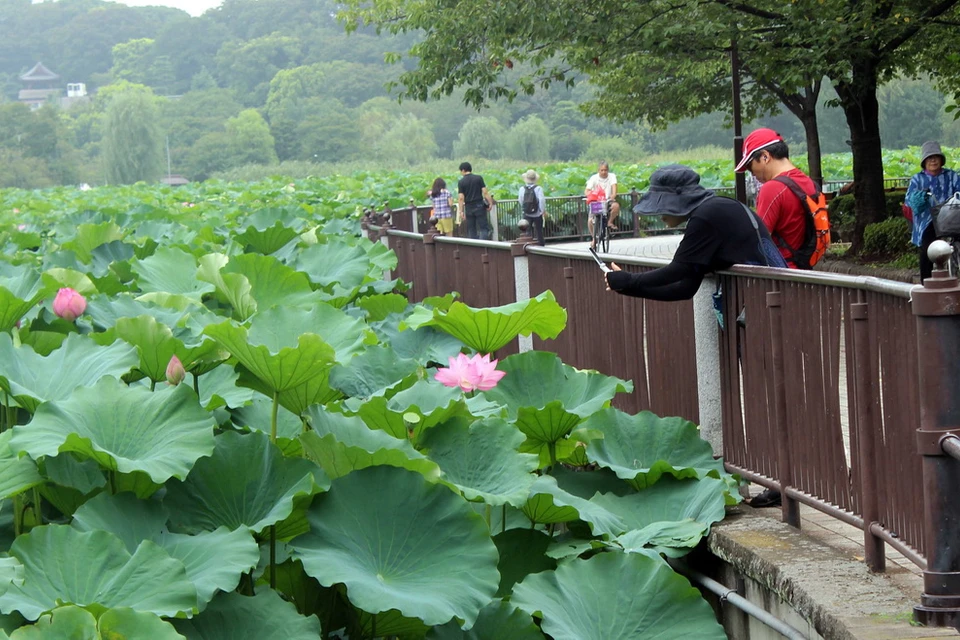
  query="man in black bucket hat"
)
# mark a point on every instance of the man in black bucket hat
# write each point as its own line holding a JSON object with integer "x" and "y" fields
{"x": 720, "y": 232}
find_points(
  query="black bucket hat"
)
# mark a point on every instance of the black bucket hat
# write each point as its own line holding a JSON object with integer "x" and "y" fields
{"x": 675, "y": 190}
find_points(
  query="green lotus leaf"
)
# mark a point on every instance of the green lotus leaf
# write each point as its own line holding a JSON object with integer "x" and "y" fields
{"x": 586, "y": 485}
{"x": 104, "y": 311}
{"x": 399, "y": 542}
{"x": 247, "y": 482}
{"x": 539, "y": 380}
{"x": 67, "y": 470}
{"x": 673, "y": 539}
{"x": 379, "y": 307}
{"x": 669, "y": 500}
{"x": 232, "y": 288}
{"x": 282, "y": 347}
{"x": 79, "y": 362}
{"x": 110, "y": 257}
{"x": 335, "y": 262}
{"x": 214, "y": 560}
{"x": 63, "y": 565}
{"x": 296, "y": 400}
{"x": 341, "y": 444}
{"x": 170, "y": 270}
{"x": 58, "y": 278}
{"x": 156, "y": 344}
{"x": 265, "y": 616}
{"x": 617, "y": 595}
{"x": 486, "y": 330}
{"x": 372, "y": 372}
{"x": 43, "y": 342}
{"x": 390, "y": 624}
{"x": 79, "y": 624}
{"x": 219, "y": 388}
{"x": 429, "y": 403}
{"x": 272, "y": 283}
{"x": 425, "y": 345}
{"x": 380, "y": 256}
{"x": 549, "y": 504}
{"x": 256, "y": 416}
{"x": 124, "y": 429}
{"x": 640, "y": 448}
{"x": 266, "y": 240}
{"x": 522, "y": 552}
{"x": 499, "y": 619}
{"x": 482, "y": 461}
{"x": 90, "y": 236}
{"x": 17, "y": 474}
{"x": 21, "y": 288}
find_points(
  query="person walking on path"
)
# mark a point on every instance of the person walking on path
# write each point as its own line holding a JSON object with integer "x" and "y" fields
{"x": 932, "y": 186}
{"x": 474, "y": 202}
{"x": 767, "y": 157}
{"x": 533, "y": 204}
{"x": 720, "y": 232}
{"x": 442, "y": 206}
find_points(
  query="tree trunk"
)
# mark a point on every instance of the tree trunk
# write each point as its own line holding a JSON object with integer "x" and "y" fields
{"x": 858, "y": 98}
{"x": 814, "y": 157}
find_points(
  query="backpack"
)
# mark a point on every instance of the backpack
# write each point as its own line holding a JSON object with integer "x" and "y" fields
{"x": 817, "y": 236}
{"x": 531, "y": 205}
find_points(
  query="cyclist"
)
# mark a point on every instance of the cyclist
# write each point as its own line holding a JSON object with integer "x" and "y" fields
{"x": 933, "y": 185}
{"x": 608, "y": 181}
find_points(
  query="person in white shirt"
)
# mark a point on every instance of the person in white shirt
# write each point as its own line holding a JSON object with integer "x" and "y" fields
{"x": 608, "y": 181}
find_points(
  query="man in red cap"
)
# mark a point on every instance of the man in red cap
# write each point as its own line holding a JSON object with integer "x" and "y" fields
{"x": 766, "y": 156}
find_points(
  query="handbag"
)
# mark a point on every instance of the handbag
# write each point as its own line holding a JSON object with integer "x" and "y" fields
{"x": 946, "y": 217}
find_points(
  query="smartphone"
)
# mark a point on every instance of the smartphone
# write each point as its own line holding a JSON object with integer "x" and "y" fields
{"x": 603, "y": 266}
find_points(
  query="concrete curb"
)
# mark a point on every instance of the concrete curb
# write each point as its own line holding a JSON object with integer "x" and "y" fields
{"x": 832, "y": 591}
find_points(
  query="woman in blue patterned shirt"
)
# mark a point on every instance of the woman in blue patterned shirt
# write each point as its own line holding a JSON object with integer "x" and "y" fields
{"x": 931, "y": 187}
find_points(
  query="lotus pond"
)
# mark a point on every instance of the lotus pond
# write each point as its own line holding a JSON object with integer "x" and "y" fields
{"x": 220, "y": 422}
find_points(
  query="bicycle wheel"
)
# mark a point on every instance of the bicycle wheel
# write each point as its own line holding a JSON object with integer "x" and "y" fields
{"x": 604, "y": 244}
{"x": 597, "y": 232}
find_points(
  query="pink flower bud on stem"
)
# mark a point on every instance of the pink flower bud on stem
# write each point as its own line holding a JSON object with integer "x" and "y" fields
{"x": 69, "y": 304}
{"x": 175, "y": 371}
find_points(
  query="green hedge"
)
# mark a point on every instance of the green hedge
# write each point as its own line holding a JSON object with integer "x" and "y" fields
{"x": 842, "y": 219}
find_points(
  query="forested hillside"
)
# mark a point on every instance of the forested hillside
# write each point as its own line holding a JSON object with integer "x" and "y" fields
{"x": 271, "y": 81}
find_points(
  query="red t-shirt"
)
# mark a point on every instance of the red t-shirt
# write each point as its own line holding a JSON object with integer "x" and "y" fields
{"x": 783, "y": 213}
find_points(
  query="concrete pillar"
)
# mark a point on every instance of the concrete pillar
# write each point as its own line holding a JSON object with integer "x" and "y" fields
{"x": 707, "y": 336}
{"x": 521, "y": 275}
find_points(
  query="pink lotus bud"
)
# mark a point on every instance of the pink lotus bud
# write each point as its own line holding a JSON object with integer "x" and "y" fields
{"x": 21, "y": 227}
{"x": 69, "y": 304}
{"x": 175, "y": 371}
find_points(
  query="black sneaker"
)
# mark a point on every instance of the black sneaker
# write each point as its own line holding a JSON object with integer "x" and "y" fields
{"x": 766, "y": 498}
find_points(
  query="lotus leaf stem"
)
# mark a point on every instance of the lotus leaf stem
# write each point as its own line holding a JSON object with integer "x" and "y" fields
{"x": 489, "y": 513}
{"x": 196, "y": 384}
{"x": 153, "y": 384}
{"x": 503, "y": 519}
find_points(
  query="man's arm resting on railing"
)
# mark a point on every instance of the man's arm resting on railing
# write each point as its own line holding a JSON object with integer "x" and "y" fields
{"x": 676, "y": 281}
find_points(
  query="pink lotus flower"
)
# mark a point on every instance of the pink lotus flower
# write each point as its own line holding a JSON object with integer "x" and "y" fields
{"x": 175, "y": 371}
{"x": 21, "y": 227}
{"x": 470, "y": 374}
{"x": 69, "y": 304}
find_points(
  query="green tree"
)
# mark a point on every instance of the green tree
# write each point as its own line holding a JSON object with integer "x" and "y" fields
{"x": 409, "y": 140}
{"x": 290, "y": 87}
{"x": 132, "y": 60}
{"x": 248, "y": 66}
{"x": 209, "y": 154}
{"x": 132, "y": 138}
{"x": 329, "y": 132}
{"x": 529, "y": 139}
{"x": 910, "y": 112}
{"x": 250, "y": 139}
{"x": 786, "y": 49}
{"x": 482, "y": 137}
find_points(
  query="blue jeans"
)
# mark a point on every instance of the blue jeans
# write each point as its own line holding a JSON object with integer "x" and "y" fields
{"x": 478, "y": 223}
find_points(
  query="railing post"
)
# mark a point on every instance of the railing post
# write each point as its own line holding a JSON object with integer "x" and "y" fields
{"x": 936, "y": 306}
{"x": 634, "y": 199}
{"x": 568, "y": 288}
{"x": 521, "y": 274}
{"x": 414, "y": 222}
{"x": 430, "y": 258}
{"x": 707, "y": 338}
{"x": 790, "y": 508}
{"x": 873, "y": 551}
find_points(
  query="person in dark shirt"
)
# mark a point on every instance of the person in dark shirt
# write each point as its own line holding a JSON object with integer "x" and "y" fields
{"x": 474, "y": 203}
{"x": 720, "y": 232}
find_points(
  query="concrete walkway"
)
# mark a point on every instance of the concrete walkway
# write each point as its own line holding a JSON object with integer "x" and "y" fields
{"x": 860, "y": 605}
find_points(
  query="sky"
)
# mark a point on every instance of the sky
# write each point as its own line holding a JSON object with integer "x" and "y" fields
{"x": 193, "y": 7}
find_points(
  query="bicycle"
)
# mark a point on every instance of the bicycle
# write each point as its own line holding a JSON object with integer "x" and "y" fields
{"x": 600, "y": 213}
{"x": 946, "y": 224}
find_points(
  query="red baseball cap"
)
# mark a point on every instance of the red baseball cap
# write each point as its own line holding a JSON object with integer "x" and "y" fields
{"x": 755, "y": 141}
